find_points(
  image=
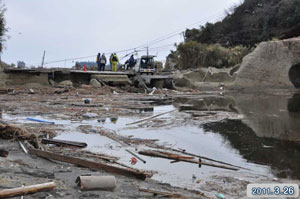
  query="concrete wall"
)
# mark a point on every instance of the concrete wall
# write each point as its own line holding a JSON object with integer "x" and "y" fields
{"x": 21, "y": 79}
{"x": 269, "y": 65}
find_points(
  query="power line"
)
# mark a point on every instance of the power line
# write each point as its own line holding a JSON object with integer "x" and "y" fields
{"x": 155, "y": 41}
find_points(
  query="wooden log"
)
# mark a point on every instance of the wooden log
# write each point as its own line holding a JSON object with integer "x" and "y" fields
{"x": 149, "y": 118}
{"x": 27, "y": 190}
{"x": 89, "y": 164}
{"x": 173, "y": 157}
{"x": 3, "y": 153}
{"x": 64, "y": 143}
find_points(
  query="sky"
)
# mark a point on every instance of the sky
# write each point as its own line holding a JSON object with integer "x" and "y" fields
{"x": 77, "y": 30}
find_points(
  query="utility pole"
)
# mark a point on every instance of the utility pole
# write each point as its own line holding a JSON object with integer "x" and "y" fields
{"x": 43, "y": 60}
{"x": 147, "y": 51}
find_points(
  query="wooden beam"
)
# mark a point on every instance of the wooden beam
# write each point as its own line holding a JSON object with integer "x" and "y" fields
{"x": 27, "y": 190}
{"x": 89, "y": 164}
{"x": 64, "y": 143}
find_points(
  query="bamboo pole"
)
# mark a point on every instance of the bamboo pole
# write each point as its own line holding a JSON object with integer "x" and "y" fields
{"x": 27, "y": 190}
{"x": 205, "y": 158}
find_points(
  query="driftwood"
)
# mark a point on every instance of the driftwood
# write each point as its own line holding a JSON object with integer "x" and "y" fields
{"x": 101, "y": 156}
{"x": 9, "y": 132}
{"x": 149, "y": 118}
{"x": 205, "y": 158}
{"x": 64, "y": 143}
{"x": 175, "y": 157}
{"x": 27, "y": 190}
{"x": 123, "y": 140}
{"x": 163, "y": 194}
{"x": 3, "y": 153}
{"x": 6, "y": 91}
{"x": 89, "y": 164}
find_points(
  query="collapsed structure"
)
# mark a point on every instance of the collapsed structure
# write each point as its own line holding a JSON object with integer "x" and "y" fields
{"x": 274, "y": 64}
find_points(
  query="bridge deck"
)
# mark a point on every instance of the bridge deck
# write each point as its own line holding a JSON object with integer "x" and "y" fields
{"x": 67, "y": 71}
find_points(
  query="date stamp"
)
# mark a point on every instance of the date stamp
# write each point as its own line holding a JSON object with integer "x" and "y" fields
{"x": 272, "y": 190}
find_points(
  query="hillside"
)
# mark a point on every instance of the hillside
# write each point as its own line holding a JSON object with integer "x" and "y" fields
{"x": 226, "y": 42}
{"x": 252, "y": 22}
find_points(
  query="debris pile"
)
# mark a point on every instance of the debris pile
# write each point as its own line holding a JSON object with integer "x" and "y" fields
{"x": 9, "y": 132}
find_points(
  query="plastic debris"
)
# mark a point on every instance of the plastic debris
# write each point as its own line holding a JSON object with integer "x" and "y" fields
{"x": 133, "y": 160}
{"x": 220, "y": 196}
{"x": 41, "y": 121}
{"x": 194, "y": 177}
{"x": 87, "y": 101}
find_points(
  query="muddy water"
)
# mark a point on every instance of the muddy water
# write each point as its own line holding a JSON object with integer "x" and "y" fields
{"x": 193, "y": 138}
{"x": 266, "y": 140}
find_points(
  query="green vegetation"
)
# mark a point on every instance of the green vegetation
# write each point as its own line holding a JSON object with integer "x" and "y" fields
{"x": 2, "y": 25}
{"x": 225, "y": 43}
{"x": 250, "y": 23}
{"x": 192, "y": 54}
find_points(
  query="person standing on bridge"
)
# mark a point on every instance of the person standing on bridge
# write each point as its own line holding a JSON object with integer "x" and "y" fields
{"x": 110, "y": 60}
{"x": 102, "y": 62}
{"x": 98, "y": 61}
{"x": 115, "y": 61}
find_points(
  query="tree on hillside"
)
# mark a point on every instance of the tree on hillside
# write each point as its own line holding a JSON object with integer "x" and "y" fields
{"x": 2, "y": 25}
{"x": 250, "y": 23}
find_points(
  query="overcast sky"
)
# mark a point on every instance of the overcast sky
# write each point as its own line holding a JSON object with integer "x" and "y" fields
{"x": 80, "y": 28}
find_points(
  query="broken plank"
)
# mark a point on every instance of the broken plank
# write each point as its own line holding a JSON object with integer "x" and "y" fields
{"x": 149, "y": 118}
{"x": 27, "y": 190}
{"x": 64, "y": 143}
{"x": 89, "y": 164}
{"x": 3, "y": 153}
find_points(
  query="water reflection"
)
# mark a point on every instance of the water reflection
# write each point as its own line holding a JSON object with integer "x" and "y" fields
{"x": 294, "y": 104}
{"x": 212, "y": 103}
{"x": 271, "y": 115}
{"x": 269, "y": 132}
{"x": 282, "y": 156}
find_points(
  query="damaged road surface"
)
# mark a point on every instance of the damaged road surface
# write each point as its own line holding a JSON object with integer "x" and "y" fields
{"x": 176, "y": 144}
